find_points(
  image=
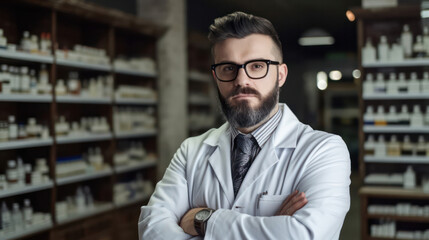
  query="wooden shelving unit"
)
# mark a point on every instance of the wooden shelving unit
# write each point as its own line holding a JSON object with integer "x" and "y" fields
{"x": 121, "y": 35}
{"x": 372, "y": 23}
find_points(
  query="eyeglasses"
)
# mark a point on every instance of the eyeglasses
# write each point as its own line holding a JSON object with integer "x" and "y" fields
{"x": 255, "y": 69}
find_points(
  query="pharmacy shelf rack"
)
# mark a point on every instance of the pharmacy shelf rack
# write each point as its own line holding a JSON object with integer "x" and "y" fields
{"x": 87, "y": 137}
{"x": 133, "y": 101}
{"x": 393, "y": 192}
{"x": 135, "y": 166}
{"x": 137, "y": 199}
{"x": 394, "y": 159}
{"x": 83, "y": 65}
{"x": 28, "y": 57}
{"x": 84, "y": 177}
{"x": 99, "y": 208}
{"x": 28, "y": 231}
{"x": 136, "y": 134}
{"x": 405, "y": 63}
{"x": 397, "y": 96}
{"x": 395, "y": 129}
{"x": 26, "y": 98}
{"x": 26, "y": 189}
{"x": 134, "y": 72}
{"x": 400, "y": 218}
{"x": 26, "y": 143}
{"x": 84, "y": 100}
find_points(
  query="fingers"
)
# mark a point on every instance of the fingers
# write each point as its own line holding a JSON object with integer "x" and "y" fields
{"x": 293, "y": 203}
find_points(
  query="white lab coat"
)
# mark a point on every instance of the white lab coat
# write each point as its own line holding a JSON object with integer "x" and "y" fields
{"x": 296, "y": 157}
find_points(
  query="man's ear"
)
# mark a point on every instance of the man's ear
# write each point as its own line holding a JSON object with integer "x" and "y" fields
{"x": 283, "y": 71}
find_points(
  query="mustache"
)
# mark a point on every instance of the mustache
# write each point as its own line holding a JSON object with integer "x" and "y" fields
{"x": 246, "y": 90}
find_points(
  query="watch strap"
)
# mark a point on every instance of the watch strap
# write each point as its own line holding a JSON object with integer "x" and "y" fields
{"x": 201, "y": 226}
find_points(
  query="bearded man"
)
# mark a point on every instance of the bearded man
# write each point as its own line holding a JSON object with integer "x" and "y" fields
{"x": 261, "y": 175}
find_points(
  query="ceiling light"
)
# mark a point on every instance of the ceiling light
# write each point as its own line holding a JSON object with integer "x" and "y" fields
{"x": 356, "y": 73}
{"x": 335, "y": 75}
{"x": 316, "y": 37}
{"x": 322, "y": 80}
{"x": 350, "y": 16}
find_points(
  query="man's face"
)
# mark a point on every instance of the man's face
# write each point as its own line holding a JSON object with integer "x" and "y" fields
{"x": 245, "y": 101}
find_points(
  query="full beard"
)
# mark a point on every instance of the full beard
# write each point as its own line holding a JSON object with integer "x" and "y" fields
{"x": 241, "y": 114}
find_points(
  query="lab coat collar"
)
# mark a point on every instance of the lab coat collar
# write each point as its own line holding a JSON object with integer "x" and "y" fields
{"x": 285, "y": 138}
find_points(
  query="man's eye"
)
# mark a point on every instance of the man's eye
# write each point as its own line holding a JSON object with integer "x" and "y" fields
{"x": 228, "y": 68}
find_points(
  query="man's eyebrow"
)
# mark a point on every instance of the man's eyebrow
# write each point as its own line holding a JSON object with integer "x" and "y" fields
{"x": 255, "y": 59}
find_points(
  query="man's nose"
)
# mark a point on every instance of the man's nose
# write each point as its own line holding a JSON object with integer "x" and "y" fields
{"x": 242, "y": 78}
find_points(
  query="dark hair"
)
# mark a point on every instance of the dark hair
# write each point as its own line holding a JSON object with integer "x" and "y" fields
{"x": 240, "y": 25}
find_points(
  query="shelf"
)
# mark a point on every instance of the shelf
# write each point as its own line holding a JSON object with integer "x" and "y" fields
{"x": 139, "y": 199}
{"x": 84, "y": 138}
{"x": 383, "y": 13}
{"x": 25, "y": 189}
{"x": 135, "y": 134}
{"x": 393, "y": 192}
{"x": 22, "y": 56}
{"x": 27, "y": 143}
{"x": 89, "y": 66}
{"x": 394, "y": 159}
{"x": 395, "y": 129}
{"x": 90, "y": 212}
{"x": 80, "y": 99}
{"x": 135, "y": 166}
{"x": 84, "y": 177}
{"x": 199, "y": 77}
{"x": 134, "y": 72}
{"x": 398, "y": 96}
{"x": 202, "y": 102}
{"x": 25, "y": 98}
{"x": 422, "y": 62}
{"x": 135, "y": 101}
{"x": 400, "y": 218}
{"x": 29, "y": 231}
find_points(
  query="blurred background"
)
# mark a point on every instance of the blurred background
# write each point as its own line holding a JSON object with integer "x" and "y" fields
{"x": 97, "y": 95}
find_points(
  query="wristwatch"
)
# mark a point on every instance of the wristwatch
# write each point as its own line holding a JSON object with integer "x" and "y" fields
{"x": 200, "y": 220}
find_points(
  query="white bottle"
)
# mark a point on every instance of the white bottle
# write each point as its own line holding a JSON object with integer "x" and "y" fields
{"x": 80, "y": 200}
{"x": 44, "y": 85}
{"x": 414, "y": 84}
{"x": 416, "y": 118}
{"x": 6, "y": 219}
{"x": 409, "y": 178}
{"x": 407, "y": 41}
{"x": 380, "y": 147}
{"x": 402, "y": 83}
{"x": 13, "y": 128}
{"x": 28, "y": 213}
{"x": 396, "y": 53}
{"x": 33, "y": 82}
{"x": 427, "y": 116}
{"x": 21, "y": 172}
{"x": 392, "y": 84}
{"x": 368, "y": 84}
{"x": 380, "y": 118}
{"x": 60, "y": 89}
{"x": 425, "y": 83}
{"x": 3, "y": 40}
{"x": 12, "y": 173}
{"x": 6, "y": 81}
{"x": 419, "y": 48}
{"x": 26, "y": 42}
{"x": 404, "y": 116}
{"x": 368, "y": 52}
{"x": 392, "y": 116}
{"x": 17, "y": 218}
{"x": 426, "y": 39}
{"x": 25, "y": 80}
{"x": 380, "y": 84}
{"x": 89, "y": 200}
{"x": 421, "y": 146}
{"x": 383, "y": 49}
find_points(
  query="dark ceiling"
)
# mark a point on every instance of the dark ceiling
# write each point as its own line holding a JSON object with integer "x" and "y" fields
{"x": 290, "y": 17}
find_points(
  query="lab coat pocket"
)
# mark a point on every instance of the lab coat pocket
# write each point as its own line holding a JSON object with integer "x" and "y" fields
{"x": 269, "y": 204}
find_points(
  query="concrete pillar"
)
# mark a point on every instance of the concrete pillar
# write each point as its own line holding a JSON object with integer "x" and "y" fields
{"x": 172, "y": 80}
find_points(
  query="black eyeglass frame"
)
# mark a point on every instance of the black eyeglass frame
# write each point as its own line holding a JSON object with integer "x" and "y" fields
{"x": 268, "y": 62}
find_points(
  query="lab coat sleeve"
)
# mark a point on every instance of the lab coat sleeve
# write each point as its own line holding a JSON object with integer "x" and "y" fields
{"x": 325, "y": 180}
{"x": 169, "y": 202}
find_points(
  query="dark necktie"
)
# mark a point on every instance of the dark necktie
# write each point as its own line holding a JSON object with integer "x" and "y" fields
{"x": 241, "y": 159}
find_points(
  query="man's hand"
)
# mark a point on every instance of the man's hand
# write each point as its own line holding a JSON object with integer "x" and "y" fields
{"x": 187, "y": 221}
{"x": 292, "y": 203}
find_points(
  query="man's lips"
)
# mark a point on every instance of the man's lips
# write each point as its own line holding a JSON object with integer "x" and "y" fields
{"x": 242, "y": 95}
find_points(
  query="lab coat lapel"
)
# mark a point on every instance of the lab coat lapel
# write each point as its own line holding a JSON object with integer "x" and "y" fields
{"x": 220, "y": 161}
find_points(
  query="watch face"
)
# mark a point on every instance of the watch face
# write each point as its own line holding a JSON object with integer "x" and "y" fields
{"x": 202, "y": 215}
